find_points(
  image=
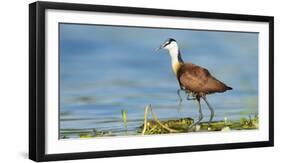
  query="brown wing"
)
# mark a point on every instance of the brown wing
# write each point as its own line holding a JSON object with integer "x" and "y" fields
{"x": 198, "y": 79}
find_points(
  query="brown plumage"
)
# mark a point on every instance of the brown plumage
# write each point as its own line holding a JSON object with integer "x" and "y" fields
{"x": 198, "y": 80}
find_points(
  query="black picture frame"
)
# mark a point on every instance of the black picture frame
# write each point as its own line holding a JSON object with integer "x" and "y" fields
{"x": 37, "y": 79}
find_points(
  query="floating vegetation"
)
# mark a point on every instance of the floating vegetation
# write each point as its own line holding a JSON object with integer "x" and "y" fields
{"x": 175, "y": 126}
{"x": 86, "y": 134}
{"x": 96, "y": 133}
{"x": 250, "y": 123}
{"x": 183, "y": 125}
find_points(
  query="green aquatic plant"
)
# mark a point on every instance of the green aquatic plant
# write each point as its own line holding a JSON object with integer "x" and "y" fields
{"x": 86, "y": 135}
{"x": 145, "y": 119}
{"x": 124, "y": 117}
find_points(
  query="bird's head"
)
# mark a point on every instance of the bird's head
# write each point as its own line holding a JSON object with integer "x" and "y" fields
{"x": 169, "y": 44}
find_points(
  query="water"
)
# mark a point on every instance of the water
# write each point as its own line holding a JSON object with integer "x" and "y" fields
{"x": 106, "y": 69}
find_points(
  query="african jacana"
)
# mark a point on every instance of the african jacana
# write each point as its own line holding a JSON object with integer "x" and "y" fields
{"x": 196, "y": 81}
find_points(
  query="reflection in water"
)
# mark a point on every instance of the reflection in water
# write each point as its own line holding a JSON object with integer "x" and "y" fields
{"x": 104, "y": 70}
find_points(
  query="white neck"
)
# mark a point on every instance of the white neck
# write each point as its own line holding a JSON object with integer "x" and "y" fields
{"x": 174, "y": 53}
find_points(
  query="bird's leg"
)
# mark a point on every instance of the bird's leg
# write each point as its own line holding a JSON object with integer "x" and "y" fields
{"x": 210, "y": 108}
{"x": 180, "y": 99}
{"x": 200, "y": 113}
{"x": 179, "y": 108}
{"x": 179, "y": 95}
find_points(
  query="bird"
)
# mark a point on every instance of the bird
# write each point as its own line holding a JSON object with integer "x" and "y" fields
{"x": 196, "y": 81}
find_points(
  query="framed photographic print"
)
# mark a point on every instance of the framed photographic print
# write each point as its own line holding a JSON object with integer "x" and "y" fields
{"x": 118, "y": 81}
